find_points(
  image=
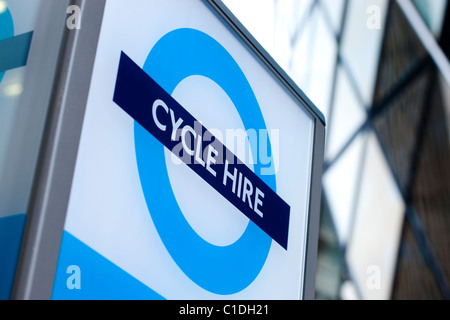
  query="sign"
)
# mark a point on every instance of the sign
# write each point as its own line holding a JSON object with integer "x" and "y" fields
{"x": 198, "y": 167}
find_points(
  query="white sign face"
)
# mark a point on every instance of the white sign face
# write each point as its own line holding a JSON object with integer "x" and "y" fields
{"x": 194, "y": 167}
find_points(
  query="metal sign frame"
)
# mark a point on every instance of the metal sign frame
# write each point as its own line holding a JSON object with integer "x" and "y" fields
{"x": 52, "y": 184}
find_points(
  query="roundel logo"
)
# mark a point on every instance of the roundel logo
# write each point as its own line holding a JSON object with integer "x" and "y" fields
{"x": 160, "y": 121}
{"x": 6, "y": 31}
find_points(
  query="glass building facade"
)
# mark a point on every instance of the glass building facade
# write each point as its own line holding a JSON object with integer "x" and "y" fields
{"x": 379, "y": 71}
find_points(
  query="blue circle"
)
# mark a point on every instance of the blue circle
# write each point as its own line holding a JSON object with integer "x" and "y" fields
{"x": 218, "y": 269}
{"x": 6, "y": 29}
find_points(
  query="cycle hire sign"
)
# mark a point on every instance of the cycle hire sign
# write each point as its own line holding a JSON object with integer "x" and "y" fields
{"x": 194, "y": 166}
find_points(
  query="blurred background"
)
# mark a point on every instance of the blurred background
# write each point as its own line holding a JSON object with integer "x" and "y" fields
{"x": 379, "y": 72}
